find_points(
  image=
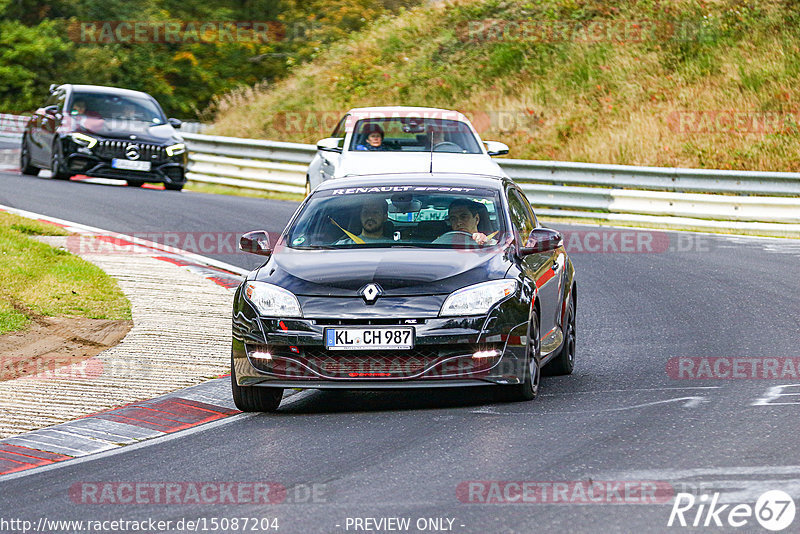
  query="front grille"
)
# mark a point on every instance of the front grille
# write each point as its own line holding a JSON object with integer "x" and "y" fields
{"x": 108, "y": 172}
{"x": 368, "y": 322}
{"x": 421, "y": 351}
{"x": 117, "y": 149}
{"x": 314, "y": 362}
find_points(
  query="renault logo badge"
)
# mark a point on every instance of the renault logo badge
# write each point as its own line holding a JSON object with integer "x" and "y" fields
{"x": 132, "y": 152}
{"x": 370, "y": 292}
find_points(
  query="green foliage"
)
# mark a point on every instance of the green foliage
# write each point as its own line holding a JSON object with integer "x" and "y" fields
{"x": 29, "y": 60}
{"x": 41, "y": 43}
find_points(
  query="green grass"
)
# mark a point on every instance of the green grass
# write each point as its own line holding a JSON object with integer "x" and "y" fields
{"x": 36, "y": 278}
{"x": 199, "y": 187}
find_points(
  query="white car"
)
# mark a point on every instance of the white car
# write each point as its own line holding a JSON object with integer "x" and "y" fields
{"x": 411, "y": 140}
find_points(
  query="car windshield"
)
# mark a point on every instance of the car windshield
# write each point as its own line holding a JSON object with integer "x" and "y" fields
{"x": 399, "y": 216}
{"x": 414, "y": 134}
{"x": 115, "y": 107}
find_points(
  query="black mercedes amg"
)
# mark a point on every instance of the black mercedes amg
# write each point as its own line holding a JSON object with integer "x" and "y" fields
{"x": 104, "y": 132}
{"x": 405, "y": 281}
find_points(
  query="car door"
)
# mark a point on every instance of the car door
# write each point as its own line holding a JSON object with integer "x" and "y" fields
{"x": 541, "y": 267}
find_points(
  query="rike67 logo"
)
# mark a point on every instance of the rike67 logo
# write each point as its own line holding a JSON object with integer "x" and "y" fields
{"x": 774, "y": 510}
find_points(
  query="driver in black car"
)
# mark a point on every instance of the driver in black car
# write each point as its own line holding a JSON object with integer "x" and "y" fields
{"x": 464, "y": 216}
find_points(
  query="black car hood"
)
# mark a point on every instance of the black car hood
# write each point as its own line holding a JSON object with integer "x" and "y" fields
{"x": 145, "y": 132}
{"x": 399, "y": 271}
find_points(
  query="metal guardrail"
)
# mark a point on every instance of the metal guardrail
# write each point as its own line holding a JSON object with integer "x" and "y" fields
{"x": 765, "y": 203}
{"x": 248, "y": 163}
{"x": 12, "y": 126}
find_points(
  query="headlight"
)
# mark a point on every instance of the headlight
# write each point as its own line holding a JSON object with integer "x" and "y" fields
{"x": 176, "y": 149}
{"x": 478, "y": 298}
{"x": 83, "y": 140}
{"x": 272, "y": 300}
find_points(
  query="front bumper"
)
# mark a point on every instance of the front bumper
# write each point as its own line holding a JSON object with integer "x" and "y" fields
{"x": 96, "y": 163}
{"x": 443, "y": 354}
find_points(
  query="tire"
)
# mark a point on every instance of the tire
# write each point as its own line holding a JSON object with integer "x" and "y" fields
{"x": 135, "y": 183}
{"x": 25, "y": 166}
{"x": 173, "y": 187}
{"x": 254, "y": 398}
{"x": 564, "y": 362}
{"x": 529, "y": 388}
{"x": 58, "y": 172}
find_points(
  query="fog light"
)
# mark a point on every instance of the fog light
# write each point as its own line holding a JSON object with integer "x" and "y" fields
{"x": 261, "y": 355}
{"x": 485, "y": 354}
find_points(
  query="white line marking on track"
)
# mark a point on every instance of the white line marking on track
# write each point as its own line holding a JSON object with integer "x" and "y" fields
{"x": 626, "y": 390}
{"x": 691, "y": 402}
{"x": 735, "y": 484}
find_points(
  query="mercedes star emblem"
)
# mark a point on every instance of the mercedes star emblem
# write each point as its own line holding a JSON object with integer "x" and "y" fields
{"x": 132, "y": 152}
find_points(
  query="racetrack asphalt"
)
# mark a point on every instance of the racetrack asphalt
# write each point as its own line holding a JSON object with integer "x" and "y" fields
{"x": 622, "y": 416}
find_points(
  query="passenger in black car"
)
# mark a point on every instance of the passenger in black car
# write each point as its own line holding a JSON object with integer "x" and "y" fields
{"x": 374, "y": 214}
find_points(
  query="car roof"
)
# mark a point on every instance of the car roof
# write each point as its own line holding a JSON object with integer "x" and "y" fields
{"x": 108, "y": 90}
{"x": 436, "y": 179}
{"x": 406, "y": 111}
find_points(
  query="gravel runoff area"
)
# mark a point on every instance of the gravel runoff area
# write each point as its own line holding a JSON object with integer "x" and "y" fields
{"x": 180, "y": 337}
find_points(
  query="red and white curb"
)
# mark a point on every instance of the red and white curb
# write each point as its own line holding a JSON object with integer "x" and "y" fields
{"x": 118, "y": 427}
{"x": 208, "y": 403}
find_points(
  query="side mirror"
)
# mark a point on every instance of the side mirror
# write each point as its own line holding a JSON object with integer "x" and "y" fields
{"x": 495, "y": 148}
{"x": 331, "y": 144}
{"x": 175, "y": 123}
{"x": 51, "y": 110}
{"x": 256, "y": 243}
{"x": 542, "y": 240}
{"x": 53, "y": 87}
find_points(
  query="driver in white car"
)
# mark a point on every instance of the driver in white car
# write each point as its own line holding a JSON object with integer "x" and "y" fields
{"x": 464, "y": 216}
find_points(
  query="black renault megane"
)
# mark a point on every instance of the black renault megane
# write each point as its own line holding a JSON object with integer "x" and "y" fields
{"x": 405, "y": 281}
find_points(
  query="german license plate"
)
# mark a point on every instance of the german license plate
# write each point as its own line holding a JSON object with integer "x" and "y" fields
{"x": 129, "y": 165}
{"x": 401, "y": 338}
